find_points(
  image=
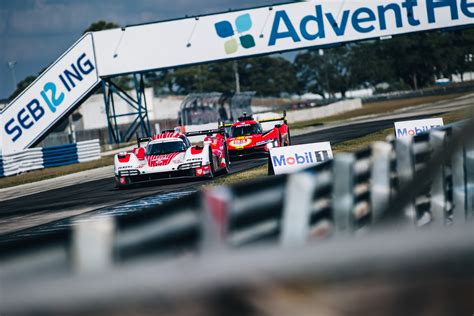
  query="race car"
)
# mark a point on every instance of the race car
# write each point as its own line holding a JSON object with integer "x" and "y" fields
{"x": 247, "y": 139}
{"x": 171, "y": 155}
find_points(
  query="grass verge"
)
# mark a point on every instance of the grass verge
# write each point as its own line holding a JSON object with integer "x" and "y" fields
{"x": 377, "y": 108}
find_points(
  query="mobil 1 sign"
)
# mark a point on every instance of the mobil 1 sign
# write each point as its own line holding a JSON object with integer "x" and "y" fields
{"x": 412, "y": 128}
{"x": 294, "y": 158}
{"x": 53, "y": 94}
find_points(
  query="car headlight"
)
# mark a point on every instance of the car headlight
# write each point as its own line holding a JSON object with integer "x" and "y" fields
{"x": 264, "y": 142}
{"x": 190, "y": 165}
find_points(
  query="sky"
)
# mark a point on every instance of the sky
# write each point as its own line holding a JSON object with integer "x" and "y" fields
{"x": 34, "y": 33}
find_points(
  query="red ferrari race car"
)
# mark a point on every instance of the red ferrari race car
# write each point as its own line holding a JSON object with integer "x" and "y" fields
{"x": 171, "y": 155}
{"x": 247, "y": 139}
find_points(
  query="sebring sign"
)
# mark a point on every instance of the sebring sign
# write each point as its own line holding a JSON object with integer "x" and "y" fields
{"x": 51, "y": 96}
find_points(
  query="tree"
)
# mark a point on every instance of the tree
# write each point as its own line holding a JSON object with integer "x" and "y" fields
{"x": 322, "y": 72}
{"x": 268, "y": 76}
{"x": 22, "y": 85}
{"x": 100, "y": 26}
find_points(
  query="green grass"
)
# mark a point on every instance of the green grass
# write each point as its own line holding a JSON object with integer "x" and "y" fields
{"x": 376, "y": 108}
{"x": 253, "y": 173}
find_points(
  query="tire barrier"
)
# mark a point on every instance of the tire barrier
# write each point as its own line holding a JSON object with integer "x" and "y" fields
{"x": 47, "y": 157}
{"x": 346, "y": 196}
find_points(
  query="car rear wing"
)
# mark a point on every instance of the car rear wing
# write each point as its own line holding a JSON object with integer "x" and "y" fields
{"x": 283, "y": 118}
{"x": 141, "y": 140}
{"x": 208, "y": 132}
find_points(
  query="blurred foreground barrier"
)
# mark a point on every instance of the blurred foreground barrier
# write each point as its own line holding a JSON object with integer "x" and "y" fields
{"x": 345, "y": 196}
{"x": 47, "y": 157}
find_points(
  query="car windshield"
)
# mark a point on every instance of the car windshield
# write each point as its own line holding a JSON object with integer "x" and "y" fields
{"x": 165, "y": 148}
{"x": 245, "y": 130}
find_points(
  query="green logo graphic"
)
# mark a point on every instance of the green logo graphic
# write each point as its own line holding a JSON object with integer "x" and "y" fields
{"x": 224, "y": 29}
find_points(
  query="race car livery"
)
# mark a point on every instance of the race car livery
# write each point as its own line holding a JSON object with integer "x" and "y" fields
{"x": 171, "y": 155}
{"x": 246, "y": 138}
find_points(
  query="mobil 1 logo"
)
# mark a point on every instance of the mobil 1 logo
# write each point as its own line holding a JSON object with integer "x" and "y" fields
{"x": 415, "y": 127}
{"x": 294, "y": 158}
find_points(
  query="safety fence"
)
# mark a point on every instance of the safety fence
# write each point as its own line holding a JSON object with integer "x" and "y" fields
{"x": 47, "y": 157}
{"x": 340, "y": 197}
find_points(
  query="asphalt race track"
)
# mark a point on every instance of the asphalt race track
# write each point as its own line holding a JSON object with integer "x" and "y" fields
{"x": 100, "y": 193}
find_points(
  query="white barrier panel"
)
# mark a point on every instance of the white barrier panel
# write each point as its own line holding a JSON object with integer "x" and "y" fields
{"x": 294, "y": 158}
{"x": 51, "y": 96}
{"x": 415, "y": 127}
{"x": 324, "y": 111}
{"x": 269, "y": 29}
{"x": 39, "y": 158}
{"x": 28, "y": 160}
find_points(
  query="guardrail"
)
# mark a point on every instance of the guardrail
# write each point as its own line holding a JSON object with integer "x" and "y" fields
{"x": 340, "y": 197}
{"x": 47, "y": 157}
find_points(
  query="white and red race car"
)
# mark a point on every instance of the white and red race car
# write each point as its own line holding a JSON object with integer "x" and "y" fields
{"x": 171, "y": 155}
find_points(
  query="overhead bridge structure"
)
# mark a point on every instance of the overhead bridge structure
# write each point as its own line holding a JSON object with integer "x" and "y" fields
{"x": 136, "y": 49}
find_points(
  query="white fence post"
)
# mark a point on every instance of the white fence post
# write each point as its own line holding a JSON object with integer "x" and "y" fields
{"x": 93, "y": 244}
{"x": 297, "y": 208}
{"x": 459, "y": 183}
{"x": 216, "y": 204}
{"x": 469, "y": 165}
{"x": 406, "y": 172}
{"x": 438, "y": 192}
{"x": 343, "y": 195}
{"x": 380, "y": 185}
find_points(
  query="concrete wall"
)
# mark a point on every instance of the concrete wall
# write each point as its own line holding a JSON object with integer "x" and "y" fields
{"x": 166, "y": 108}
{"x": 324, "y": 111}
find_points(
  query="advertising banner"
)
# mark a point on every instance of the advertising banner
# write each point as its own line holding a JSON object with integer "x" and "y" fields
{"x": 53, "y": 94}
{"x": 294, "y": 158}
{"x": 270, "y": 29}
{"x": 412, "y": 128}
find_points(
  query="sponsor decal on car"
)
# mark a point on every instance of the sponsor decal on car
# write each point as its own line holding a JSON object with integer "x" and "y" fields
{"x": 240, "y": 142}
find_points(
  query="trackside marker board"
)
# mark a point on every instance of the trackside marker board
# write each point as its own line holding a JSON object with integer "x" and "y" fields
{"x": 294, "y": 158}
{"x": 415, "y": 127}
{"x": 269, "y": 29}
{"x": 52, "y": 95}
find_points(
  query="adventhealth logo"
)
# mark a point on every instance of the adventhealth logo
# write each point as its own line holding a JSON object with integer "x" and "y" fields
{"x": 224, "y": 29}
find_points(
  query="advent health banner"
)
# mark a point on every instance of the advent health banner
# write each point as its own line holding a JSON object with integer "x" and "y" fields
{"x": 269, "y": 29}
